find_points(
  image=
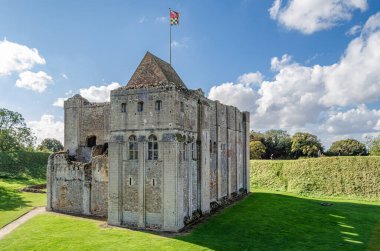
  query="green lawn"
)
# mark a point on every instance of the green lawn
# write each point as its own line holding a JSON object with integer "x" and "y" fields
{"x": 13, "y": 203}
{"x": 263, "y": 221}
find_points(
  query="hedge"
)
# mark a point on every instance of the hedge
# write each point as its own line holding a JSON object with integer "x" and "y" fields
{"x": 23, "y": 164}
{"x": 356, "y": 177}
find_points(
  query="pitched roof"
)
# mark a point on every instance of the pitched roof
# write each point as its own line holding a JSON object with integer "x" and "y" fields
{"x": 153, "y": 71}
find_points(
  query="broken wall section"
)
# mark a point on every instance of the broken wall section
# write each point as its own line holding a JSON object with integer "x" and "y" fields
{"x": 76, "y": 187}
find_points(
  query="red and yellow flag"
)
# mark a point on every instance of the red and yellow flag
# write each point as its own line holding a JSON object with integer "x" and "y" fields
{"x": 174, "y": 17}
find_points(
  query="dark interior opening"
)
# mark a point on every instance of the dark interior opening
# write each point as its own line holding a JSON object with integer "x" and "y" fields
{"x": 91, "y": 141}
{"x": 105, "y": 148}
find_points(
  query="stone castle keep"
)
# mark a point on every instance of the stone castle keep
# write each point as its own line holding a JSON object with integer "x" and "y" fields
{"x": 156, "y": 156}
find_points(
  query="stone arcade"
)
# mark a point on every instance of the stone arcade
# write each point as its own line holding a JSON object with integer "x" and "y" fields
{"x": 156, "y": 156}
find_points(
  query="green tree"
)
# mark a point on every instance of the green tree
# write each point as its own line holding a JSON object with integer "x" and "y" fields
{"x": 305, "y": 144}
{"x": 256, "y": 136}
{"x": 277, "y": 143}
{"x": 52, "y": 145}
{"x": 256, "y": 150}
{"x": 374, "y": 146}
{"x": 14, "y": 134}
{"x": 347, "y": 147}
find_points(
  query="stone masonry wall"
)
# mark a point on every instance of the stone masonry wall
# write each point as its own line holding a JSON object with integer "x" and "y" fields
{"x": 76, "y": 187}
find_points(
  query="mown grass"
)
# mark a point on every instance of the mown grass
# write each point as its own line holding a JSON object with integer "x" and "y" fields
{"x": 14, "y": 203}
{"x": 263, "y": 221}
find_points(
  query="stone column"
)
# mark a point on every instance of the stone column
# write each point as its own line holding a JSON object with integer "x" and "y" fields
{"x": 246, "y": 127}
{"x": 115, "y": 180}
{"x": 141, "y": 183}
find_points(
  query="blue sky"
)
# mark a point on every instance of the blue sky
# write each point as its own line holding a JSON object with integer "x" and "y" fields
{"x": 295, "y": 65}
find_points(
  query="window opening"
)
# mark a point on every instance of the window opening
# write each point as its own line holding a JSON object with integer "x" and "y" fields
{"x": 133, "y": 148}
{"x": 91, "y": 141}
{"x": 152, "y": 148}
{"x": 140, "y": 106}
{"x": 124, "y": 107}
{"x": 158, "y": 105}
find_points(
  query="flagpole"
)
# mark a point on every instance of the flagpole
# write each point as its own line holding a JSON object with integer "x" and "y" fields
{"x": 170, "y": 39}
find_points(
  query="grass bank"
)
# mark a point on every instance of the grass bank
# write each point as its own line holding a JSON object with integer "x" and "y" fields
{"x": 350, "y": 177}
{"x": 263, "y": 221}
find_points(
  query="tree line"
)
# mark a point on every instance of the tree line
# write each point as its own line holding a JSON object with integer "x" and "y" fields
{"x": 15, "y": 135}
{"x": 278, "y": 144}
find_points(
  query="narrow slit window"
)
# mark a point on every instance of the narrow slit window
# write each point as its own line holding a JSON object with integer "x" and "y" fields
{"x": 133, "y": 148}
{"x": 184, "y": 151}
{"x": 182, "y": 107}
{"x": 158, "y": 105}
{"x": 152, "y": 148}
{"x": 140, "y": 106}
{"x": 124, "y": 107}
{"x": 194, "y": 151}
{"x": 130, "y": 181}
{"x": 154, "y": 182}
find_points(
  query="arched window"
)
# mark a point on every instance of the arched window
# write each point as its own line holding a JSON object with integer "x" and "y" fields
{"x": 124, "y": 107}
{"x": 91, "y": 141}
{"x": 158, "y": 105}
{"x": 133, "y": 148}
{"x": 140, "y": 106}
{"x": 152, "y": 148}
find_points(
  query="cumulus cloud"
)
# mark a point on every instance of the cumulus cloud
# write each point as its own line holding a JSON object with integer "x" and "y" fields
{"x": 356, "y": 78}
{"x": 319, "y": 97}
{"x": 251, "y": 78}
{"x": 314, "y": 15}
{"x": 59, "y": 102}
{"x": 16, "y": 57}
{"x": 238, "y": 95}
{"x": 47, "y": 127}
{"x": 92, "y": 94}
{"x": 98, "y": 93}
{"x": 356, "y": 120}
{"x": 35, "y": 81}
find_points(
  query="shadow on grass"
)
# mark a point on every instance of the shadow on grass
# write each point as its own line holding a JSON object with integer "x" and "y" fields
{"x": 268, "y": 221}
{"x": 11, "y": 199}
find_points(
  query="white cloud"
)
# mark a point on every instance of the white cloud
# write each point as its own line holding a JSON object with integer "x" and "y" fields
{"x": 238, "y": 95}
{"x": 47, "y": 127}
{"x": 59, "y": 102}
{"x": 314, "y": 15}
{"x": 180, "y": 44}
{"x": 317, "y": 98}
{"x": 63, "y": 75}
{"x": 162, "y": 19}
{"x": 16, "y": 57}
{"x": 355, "y": 79}
{"x": 98, "y": 93}
{"x": 33, "y": 81}
{"x": 92, "y": 94}
{"x": 356, "y": 120}
{"x": 354, "y": 30}
{"x": 250, "y": 78}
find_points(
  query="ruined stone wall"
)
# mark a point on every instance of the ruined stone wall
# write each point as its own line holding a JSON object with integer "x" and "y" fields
{"x": 82, "y": 120}
{"x": 76, "y": 187}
